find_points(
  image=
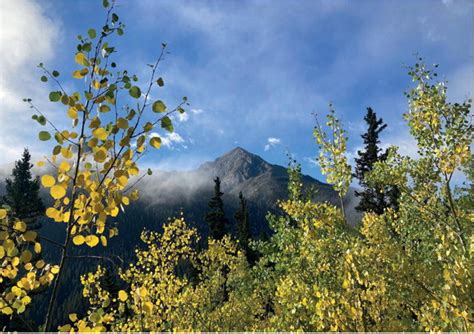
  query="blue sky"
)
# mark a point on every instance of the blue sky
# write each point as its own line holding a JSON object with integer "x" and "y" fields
{"x": 253, "y": 71}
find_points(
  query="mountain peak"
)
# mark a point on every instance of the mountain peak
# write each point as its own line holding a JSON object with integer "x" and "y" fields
{"x": 237, "y": 165}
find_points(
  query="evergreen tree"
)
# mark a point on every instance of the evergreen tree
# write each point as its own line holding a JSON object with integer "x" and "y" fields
{"x": 242, "y": 218}
{"x": 22, "y": 192}
{"x": 374, "y": 199}
{"x": 215, "y": 218}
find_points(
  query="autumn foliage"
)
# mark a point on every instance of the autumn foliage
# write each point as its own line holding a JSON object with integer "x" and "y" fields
{"x": 408, "y": 269}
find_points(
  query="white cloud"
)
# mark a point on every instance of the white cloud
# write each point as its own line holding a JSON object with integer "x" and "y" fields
{"x": 170, "y": 139}
{"x": 271, "y": 142}
{"x": 183, "y": 117}
{"x": 312, "y": 162}
{"x": 27, "y": 37}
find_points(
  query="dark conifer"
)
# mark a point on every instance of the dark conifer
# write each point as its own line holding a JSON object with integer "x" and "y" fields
{"x": 22, "y": 192}
{"x": 243, "y": 228}
{"x": 374, "y": 199}
{"x": 215, "y": 217}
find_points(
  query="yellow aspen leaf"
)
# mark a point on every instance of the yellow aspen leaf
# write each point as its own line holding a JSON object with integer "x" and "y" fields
{"x": 40, "y": 163}
{"x": 73, "y": 316}
{"x": 65, "y": 328}
{"x": 133, "y": 171}
{"x": 3, "y": 213}
{"x": 123, "y": 296}
{"x": 96, "y": 84}
{"x": 125, "y": 200}
{"x": 346, "y": 284}
{"x": 58, "y": 192}
{"x": 100, "y": 133}
{"x": 37, "y": 248}
{"x": 48, "y": 181}
{"x": 2, "y": 252}
{"x": 72, "y": 112}
{"x": 30, "y": 235}
{"x": 103, "y": 240}
{"x": 19, "y": 226}
{"x": 142, "y": 292}
{"x": 114, "y": 211}
{"x": 92, "y": 240}
{"x": 15, "y": 261}
{"x": 81, "y": 59}
{"x": 122, "y": 180}
{"x": 78, "y": 240}
{"x": 52, "y": 213}
{"x": 55, "y": 269}
{"x": 148, "y": 307}
{"x": 155, "y": 142}
{"x": 66, "y": 152}
{"x": 64, "y": 166}
{"x": 7, "y": 310}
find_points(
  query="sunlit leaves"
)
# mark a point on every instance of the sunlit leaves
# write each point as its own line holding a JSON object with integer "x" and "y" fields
{"x": 123, "y": 296}
{"x": 91, "y": 240}
{"x": 48, "y": 181}
{"x": 81, "y": 59}
{"x": 158, "y": 106}
{"x": 80, "y": 74}
{"x": 95, "y": 159}
{"x": 78, "y": 240}
{"x": 100, "y": 133}
{"x": 57, "y": 192}
{"x": 332, "y": 149}
{"x": 155, "y": 142}
{"x": 22, "y": 270}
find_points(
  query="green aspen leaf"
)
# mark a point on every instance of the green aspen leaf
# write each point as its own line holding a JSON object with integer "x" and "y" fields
{"x": 87, "y": 47}
{"x": 135, "y": 92}
{"x": 92, "y": 34}
{"x": 160, "y": 82}
{"x": 105, "y": 3}
{"x": 55, "y": 96}
{"x": 55, "y": 74}
{"x": 158, "y": 106}
{"x": 167, "y": 124}
{"x": 44, "y": 135}
{"x": 44, "y": 78}
{"x": 119, "y": 31}
{"x": 41, "y": 120}
{"x": 114, "y": 17}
